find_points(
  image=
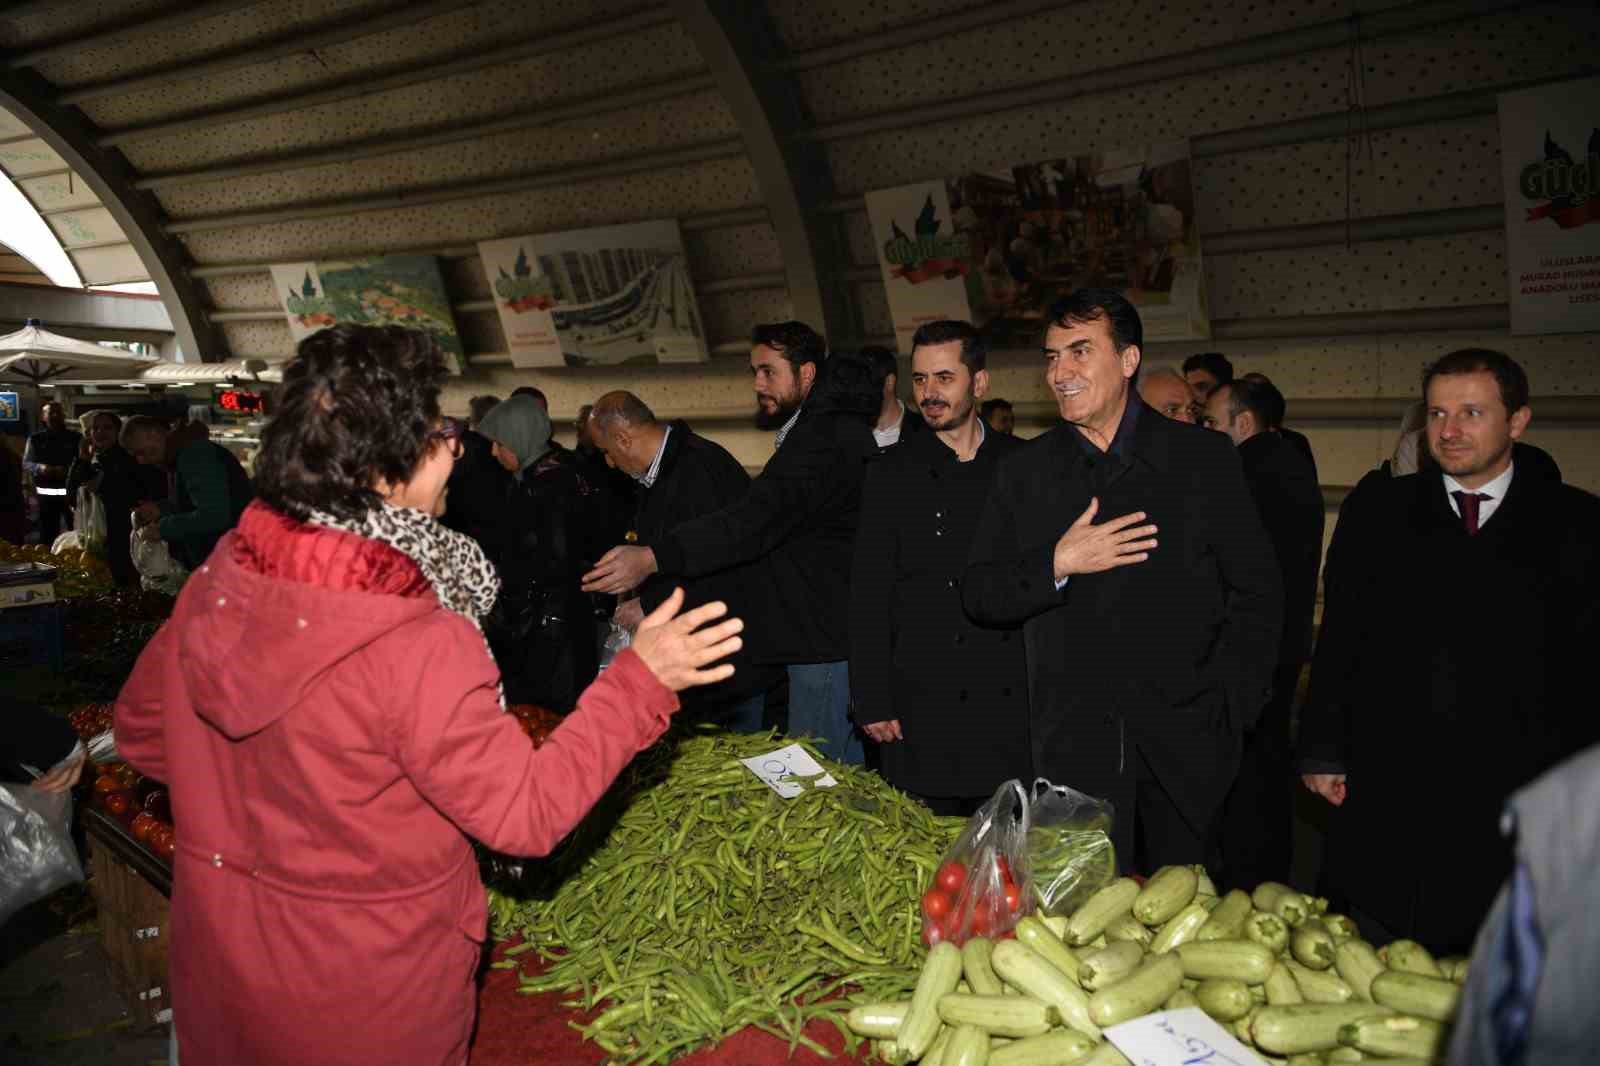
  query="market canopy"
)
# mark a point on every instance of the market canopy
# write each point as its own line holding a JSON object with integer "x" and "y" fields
{"x": 37, "y": 355}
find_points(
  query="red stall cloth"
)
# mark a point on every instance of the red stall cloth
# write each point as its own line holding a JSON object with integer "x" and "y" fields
{"x": 519, "y": 1030}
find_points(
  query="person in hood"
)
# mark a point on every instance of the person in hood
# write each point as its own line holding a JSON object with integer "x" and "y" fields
{"x": 327, "y": 718}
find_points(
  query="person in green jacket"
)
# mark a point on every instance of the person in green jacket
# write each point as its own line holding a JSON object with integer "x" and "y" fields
{"x": 211, "y": 488}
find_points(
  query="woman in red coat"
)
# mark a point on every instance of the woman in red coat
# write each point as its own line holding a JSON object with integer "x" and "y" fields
{"x": 327, "y": 717}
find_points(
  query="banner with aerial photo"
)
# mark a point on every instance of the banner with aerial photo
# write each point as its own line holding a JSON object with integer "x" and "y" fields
{"x": 393, "y": 290}
{"x": 596, "y": 297}
{"x": 1550, "y": 158}
{"x": 1017, "y": 238}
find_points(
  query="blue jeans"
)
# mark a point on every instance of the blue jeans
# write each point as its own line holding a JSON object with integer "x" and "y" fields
{"x": 819, "y": 706}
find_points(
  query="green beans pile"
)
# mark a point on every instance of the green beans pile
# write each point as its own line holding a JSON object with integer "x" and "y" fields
{"x": 710, "y": 903}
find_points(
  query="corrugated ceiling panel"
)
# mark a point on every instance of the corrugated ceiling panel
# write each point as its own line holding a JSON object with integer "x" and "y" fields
{"x": 110, "y": 266}
{"x": 66, "y": 20}
{"x": 732, "y": 251}
{"x": 61, "y": 190}
{"x": 806, "y": 24}
{"x": 29, "y": 157}
{"x": 94, "y": 226}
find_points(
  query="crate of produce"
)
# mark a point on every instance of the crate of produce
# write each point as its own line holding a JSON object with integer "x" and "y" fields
{"x": 130, "y": 888}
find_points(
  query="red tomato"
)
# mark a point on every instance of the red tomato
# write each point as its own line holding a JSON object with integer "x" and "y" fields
{"x": 143, "y": 825}
{"x": 982, "y": 923}
{"x": 117, "y": 803}
{"x": 1013, "y": 897}
{"x": 952, "y": 877}
{"x": 932, "y": 933}
{"x": 1002, "y": 867}
{"x": 107, "y": 783}
{"x": 1009, "y": 934}
{"x": 935, "y": 904}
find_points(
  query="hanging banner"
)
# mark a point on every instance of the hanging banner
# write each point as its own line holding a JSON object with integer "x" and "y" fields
{"x": 394, "y": 290}
{"x": 1550, "y": 158}
{"x": 1015, "y": 239}
{"x": 923, "y": 260}
{"x": 596, "y": 297}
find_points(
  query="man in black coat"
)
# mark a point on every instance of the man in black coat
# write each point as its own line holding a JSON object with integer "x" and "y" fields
{"x": 681, "y": 476}
{"x": 945, "y": 699}
{"x": 1453, "y": 665}
{"x": 1128, "y": 545}
{"x": 48, "y": 458}
{"x": 895, "y": 422}
{"x": 122, "y": 485}
{"x": 798, "y": 520}
{"x": 1257, "y": 819}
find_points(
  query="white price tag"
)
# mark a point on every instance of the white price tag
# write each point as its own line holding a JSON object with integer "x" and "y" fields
{"x": 164, "y": 1015}
{"x": 1182, "y": 1037}
{"x": 789, "y": 771}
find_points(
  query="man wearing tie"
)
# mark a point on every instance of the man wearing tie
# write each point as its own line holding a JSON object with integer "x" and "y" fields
{"x": 1462, "y": 606}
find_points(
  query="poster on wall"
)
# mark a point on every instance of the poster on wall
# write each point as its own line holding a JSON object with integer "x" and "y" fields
{"x": 1015, "y": 239}
{"x": 393, "y": 290}
{"x": 608, "y": 296}
{"x": 1550, "y": 159}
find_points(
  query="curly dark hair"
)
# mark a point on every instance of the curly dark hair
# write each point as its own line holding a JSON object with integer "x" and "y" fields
{"x": 795, "y": 341}
{"x": 356, "y": 406}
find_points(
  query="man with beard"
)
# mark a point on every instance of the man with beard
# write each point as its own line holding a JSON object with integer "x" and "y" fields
{"x": 47, "y": 459}
{"x": 1147, "y": 658}
{"x": 1462, "y": 608}
{"x": 798, "y": 520}
{"x": 925, "y": 678}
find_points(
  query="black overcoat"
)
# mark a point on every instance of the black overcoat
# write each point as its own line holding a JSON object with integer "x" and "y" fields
{"x": 1283, "y": 482}
{"x": 958, "y": 689}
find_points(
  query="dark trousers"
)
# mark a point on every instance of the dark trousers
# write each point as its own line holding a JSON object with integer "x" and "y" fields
{"x": 1258, "y": 816}
{"x": 54, "y": 515}
{"x": 1163, "y": 835}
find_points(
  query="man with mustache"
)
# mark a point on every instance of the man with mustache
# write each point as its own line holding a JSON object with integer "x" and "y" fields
{"x": 797, "y": 522}
{"x": 1127, "y": 547}
{"x": 944, "y": 698}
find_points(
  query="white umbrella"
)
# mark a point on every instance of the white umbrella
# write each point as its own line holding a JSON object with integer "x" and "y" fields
{"x": 38, "y": 355}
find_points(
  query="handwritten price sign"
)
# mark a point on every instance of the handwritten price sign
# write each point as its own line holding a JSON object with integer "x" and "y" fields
{"x": 789, "y": 771}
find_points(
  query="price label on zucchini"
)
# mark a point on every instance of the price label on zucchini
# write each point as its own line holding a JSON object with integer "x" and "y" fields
{"x": 789, "y": 771}
{"x": 1182, "y": 1037}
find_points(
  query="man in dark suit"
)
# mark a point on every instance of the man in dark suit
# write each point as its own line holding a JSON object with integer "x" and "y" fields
{"x": 1257, "y": 818}
{"x": 1453, "y": 665}
{"x": 896, "y": 422}
{"x": 945, "y": 699}
{"x": 1277, "y": 410}
{"x": 681, "y": 476}
{"x": 798, "y": 520}
{"x": 1151, "y": 633}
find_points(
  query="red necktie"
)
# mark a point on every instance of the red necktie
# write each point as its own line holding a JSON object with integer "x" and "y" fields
{"x": 1468, "y": 502}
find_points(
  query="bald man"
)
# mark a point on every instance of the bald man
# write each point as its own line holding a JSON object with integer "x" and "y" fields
{"x": 1168, "y": 392}
{"x": 682, "y": 476}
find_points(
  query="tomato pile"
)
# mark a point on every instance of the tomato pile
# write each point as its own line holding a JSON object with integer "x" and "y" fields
{"x": 140, "y": 803}
{"x": 968, "y": 901}
{"x": 535, "y": 721}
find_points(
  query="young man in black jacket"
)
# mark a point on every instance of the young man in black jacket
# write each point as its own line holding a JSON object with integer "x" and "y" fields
{"x": 681, "y": 476}
{"x": 798, "y": 522}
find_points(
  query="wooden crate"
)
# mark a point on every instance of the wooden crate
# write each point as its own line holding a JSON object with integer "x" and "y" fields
{"x": 135, "y": 929}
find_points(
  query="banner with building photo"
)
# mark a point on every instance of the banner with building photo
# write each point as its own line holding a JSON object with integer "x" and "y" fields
{"x": 1122, "y": 220}
{"x": 923, "y": 260}
{"x": 1550, "y": 158}
{"x": 596, "y": 297}
{"x": 393, "y": 290}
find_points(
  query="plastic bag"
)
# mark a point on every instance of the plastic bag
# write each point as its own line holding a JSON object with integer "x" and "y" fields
{"x": 66, "y": 540}
{"x": 982, "y": 885}
{"x": 1070, "y": 854}
{"x": 36, "y": 852}
{"x": 103, "y": 748}
{"x": 89, "y": 521}
{"x": 158, "y": 570}
{"x": 618, "y": 639}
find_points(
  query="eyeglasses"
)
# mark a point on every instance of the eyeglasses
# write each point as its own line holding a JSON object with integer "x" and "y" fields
{"x": 450, "y": 431}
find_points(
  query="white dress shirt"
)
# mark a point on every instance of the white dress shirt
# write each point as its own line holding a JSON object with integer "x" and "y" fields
{"x": 886, "y": 437}
{"x": 648, "y": 478}
{"x": 1494, "y": 492}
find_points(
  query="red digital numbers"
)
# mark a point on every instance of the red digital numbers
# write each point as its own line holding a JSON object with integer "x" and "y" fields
{"x": 242, "y": 402}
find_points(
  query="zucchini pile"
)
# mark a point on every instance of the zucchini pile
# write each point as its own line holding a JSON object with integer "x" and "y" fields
{"x": 1288, "y": 979}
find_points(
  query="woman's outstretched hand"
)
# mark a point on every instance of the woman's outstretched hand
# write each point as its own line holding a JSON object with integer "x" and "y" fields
{"x": 679, "y": 652}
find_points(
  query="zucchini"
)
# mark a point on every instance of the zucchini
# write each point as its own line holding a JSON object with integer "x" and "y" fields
{"x": 1358, "y": 964}
{"x": 1345, "y": 1054}
{"x": 1282, "y": 991}
{"x": 969, "y": 1046}
{"x": 1396, "y": 1037}
{"x": 1141, "y": 992}
{"x": 1224, "y": 998}
{"x": 1097, "y": 912}
{"x": 1269, "y": 931}
{"x": 1312, "y": 945}
{"x": 1242, "y": 960}
{"x": 1454, "y": 967}
{"x": 975, "y": 967}
{"x": 1318, "y": 905}
{"x": 878, "y": 1020}
{"x": 935, "y": 1055}
{"x": 1110, "y": 964}
{"x": 1227, "y": 918}
{"x": 1032, "y": 932}
{"x": 1027, "y": 970}
{"x": 1308, "y": 1026}
{"x": 889, "y": 1052}
{"x": 999, "y": 1015}
{"x": 1434, "y": 998}
{"x": 1241, "y": 1026}
{"x": 1306, "y": 1058}
{"x": 1340, "y": 928}
{"x": 1276, "y": 898}
{"x": 1105, "y": 1053}
{"x": 1056, "y": 923}
{"x": 1165, "y": 894}
{"x": 1056, "y": 1048}
{"x": 1180, "y": 928}
{"x": 1408, "y": 956}
{"x": 1204, "y": 886}
{"x": 1183, "y": 997}
{"x": 940, "y": 973}
{"x": 1125, "y": 927}
{"x": 1320, "y": 986}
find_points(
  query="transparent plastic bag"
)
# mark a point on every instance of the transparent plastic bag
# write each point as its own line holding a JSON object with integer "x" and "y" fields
{"x": 36, "y": 852}
{"x": 158, "y": 570}
{"x": 618, "y": 639}
{"x": 89, "y": 521}
{"x": 1069, "y": 851}
{"x": 982, "y": 887}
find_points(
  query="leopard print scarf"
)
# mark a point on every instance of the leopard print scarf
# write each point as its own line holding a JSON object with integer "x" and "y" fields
{"x": 461, "y": 575}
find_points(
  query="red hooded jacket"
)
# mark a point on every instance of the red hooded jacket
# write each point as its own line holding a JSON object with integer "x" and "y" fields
{"x": 329, "y": 732}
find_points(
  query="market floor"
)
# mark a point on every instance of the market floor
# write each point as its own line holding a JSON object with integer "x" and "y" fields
{"x": 58, "y": 1006}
